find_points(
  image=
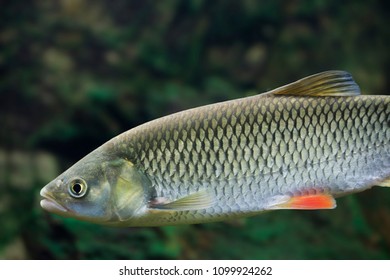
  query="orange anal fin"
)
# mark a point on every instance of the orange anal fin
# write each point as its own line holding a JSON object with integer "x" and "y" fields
{"x": 308, "y": 202}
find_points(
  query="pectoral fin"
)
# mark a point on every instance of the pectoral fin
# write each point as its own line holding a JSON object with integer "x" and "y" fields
{"x": 304, "y": 202}
{"x": 200, "y": 200}
{"x": 329, "y": 83}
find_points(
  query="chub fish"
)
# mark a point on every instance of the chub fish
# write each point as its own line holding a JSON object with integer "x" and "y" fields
{"x": 299, "y": 146}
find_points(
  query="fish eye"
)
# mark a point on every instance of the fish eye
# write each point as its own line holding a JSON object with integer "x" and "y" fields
{"x": 77, "y": 188}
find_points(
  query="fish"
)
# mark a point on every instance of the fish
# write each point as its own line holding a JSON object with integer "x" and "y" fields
{"x": 299, "y": 146}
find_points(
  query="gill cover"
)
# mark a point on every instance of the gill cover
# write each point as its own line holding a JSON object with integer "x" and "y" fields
{"x": 128, "y": 189}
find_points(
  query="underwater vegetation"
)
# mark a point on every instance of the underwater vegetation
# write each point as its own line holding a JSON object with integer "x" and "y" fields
{"x": 77, "y": 73}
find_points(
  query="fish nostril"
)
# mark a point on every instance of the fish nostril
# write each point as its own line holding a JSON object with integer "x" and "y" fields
{"x": 58, "y": 183}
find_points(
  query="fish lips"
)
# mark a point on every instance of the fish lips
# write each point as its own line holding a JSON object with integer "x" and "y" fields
{"x": 48, "y": 203}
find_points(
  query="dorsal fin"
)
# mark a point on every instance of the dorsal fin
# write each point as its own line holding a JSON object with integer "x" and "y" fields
{"x": 329, "y": 83}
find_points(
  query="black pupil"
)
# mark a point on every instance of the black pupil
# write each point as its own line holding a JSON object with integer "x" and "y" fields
{"x": 77, "y": 188}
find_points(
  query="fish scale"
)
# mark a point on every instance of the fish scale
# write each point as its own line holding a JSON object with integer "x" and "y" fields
{"x": 296, "y": 147}
{"x": 271, "y": 157}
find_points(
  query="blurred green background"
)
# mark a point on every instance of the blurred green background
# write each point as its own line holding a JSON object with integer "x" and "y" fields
{"x": 75, "y": 73}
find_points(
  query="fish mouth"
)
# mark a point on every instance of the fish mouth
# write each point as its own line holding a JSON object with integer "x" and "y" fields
{"x": 48, "y": 203}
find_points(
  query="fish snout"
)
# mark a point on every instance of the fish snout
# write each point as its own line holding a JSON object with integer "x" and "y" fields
{"x": 49, "y": 203}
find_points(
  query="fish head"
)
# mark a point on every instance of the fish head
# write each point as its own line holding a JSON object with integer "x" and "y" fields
{"x": 100, "y": 190}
